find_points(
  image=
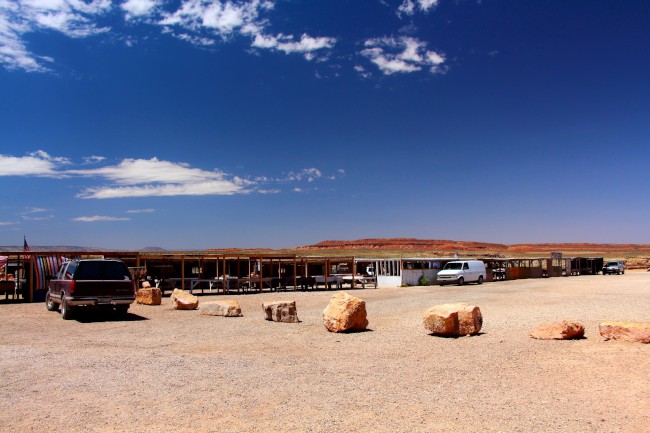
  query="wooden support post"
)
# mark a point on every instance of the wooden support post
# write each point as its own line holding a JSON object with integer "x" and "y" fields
{"x": 182, "y": 272}
{"x": 261, "y": 271}
{"x": 295, "y": 274}
{"x": 327, "y": 272}
{"x": 31, "y": 278}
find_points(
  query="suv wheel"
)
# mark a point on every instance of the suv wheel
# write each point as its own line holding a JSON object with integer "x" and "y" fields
{"x": 49, "y": 303}
{"x": 461, "y": 281}
{"x": 480, "y": 279}
{"x": 66, "y": 310}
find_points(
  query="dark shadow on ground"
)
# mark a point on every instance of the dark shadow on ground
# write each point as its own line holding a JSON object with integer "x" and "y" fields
{"x": 356, "y": 331}
{"x": 455, "y": 337}
{"x": 94, "y": 315}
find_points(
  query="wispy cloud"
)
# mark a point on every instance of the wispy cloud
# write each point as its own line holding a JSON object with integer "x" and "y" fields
{"x": 410, "y": 7}
{"x": 198, "y": 22}
{"x": 153, "y": 177}
{"x": 308, "y": 174}
{"x": 73, "y": 18}
{"x": 307, "y": 45}
{"x": 38, "y": 218}
{"x": 403, "y": 54}
{"x": 7, "y": 223}
{"x": 36, "y": 214}
{"x": 201, "y": 23}
{"x": 146, "y": 178}
{"x": 95, "y": 218}
{"x": 141, "y": 211}
{"x": 37, "y": 163}
{"x": 94, "y": 159}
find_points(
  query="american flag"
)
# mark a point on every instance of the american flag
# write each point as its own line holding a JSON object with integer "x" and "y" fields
{"x": 25, "y": 246}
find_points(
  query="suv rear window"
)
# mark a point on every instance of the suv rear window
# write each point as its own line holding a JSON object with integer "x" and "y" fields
{"x": 102, "y": 270}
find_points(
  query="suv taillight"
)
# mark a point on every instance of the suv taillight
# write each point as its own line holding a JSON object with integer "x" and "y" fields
{"x": 72, "y": 286}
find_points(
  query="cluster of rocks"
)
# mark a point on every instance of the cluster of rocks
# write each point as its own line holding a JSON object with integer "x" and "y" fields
{"x": 638, "y": 332}
{"x": 346, "y": 313}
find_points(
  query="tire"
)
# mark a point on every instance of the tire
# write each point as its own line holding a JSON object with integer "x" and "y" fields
{"x": 461, "y": 281}
{"x": 622, "y": 272}
{"x": 66, "y": 310}
{"x": 480, "y": 279}
{"x": 49, "y": 303}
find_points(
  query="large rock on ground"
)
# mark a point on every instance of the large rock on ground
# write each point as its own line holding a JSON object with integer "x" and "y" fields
{"x": 150, "y": 296}
{"x": 227, "y": 308}
{"x": 183, "y": 300}
{"x": 558, "y": 331}
{"x": 638, "y": 332}
{"x": 453, "y": 320}
{"x": 281, "y": 311}
{"x": 345, "y": 313}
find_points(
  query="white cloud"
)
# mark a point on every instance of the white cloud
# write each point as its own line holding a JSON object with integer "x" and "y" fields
{"x": 308, "y": 174}
{"x": 94, "y": 159}
{"x": 153, "y": 177}
{"x": 135, "y": 171}
{"x": 198, "y": 22}
{"x": 222, "y": 18}
{"x": 167, "y": 190}
{"x": 194, "y": 40}
{"x": 307, "y": 45}
{"x": 34, "y": 164}
{"x": 410, "y": 7}
{"x": 38, "y": 218}
{"x": 269, "y": 191}
{"x": 94, "y": 218}
{"x": 35, "y": 214}
{"x": 145, "y": 178}
{"x": 139, "y": 8}
{"x": 141, "y": 211}
{"x": 7, "y": 223}
{"x": 404, "y": 54}
{"x": 74, "y": 18}
{"x": 34, "y": 210}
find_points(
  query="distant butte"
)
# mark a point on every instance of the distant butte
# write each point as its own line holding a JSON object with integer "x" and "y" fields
{"x": 471, "y": 246}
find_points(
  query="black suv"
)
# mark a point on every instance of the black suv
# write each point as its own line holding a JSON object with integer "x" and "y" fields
{"x": 614, "y": 267}
{"x": 91, "y": 282}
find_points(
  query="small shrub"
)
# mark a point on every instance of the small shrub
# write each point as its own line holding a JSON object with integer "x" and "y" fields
{"x": 423, "y": 281}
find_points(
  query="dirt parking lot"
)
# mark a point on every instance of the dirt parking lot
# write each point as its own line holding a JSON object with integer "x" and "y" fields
{"x": 166, "y": 370}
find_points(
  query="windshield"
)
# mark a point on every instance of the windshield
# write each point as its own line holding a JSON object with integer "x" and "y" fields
{"x": 102, "y": 270}
{"x": 453, "y": 266}
{"x": 612, "y": 263}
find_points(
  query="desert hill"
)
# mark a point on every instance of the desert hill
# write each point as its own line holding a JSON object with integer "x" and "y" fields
{"x": 636, "y": 254}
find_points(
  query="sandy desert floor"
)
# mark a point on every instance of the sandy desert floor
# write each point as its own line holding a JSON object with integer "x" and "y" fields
{"x": 166, "y": 370}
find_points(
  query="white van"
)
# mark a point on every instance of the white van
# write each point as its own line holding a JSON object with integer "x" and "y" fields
{"x": 462, "y": 271}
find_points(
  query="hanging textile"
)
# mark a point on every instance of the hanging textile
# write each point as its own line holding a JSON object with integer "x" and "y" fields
{"x": 45, "y": 267}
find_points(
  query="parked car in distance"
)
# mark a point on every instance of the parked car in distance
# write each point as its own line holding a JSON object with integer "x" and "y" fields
{"x": 462, "y": 271}
{"x": 90, "y": 282}
{"x": 614, "y": 267}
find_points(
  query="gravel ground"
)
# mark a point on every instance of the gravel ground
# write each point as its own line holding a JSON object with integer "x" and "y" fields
{"x": 166, "y": 370}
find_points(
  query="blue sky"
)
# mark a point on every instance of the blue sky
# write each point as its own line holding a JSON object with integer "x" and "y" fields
{"x": 212, "y": 124}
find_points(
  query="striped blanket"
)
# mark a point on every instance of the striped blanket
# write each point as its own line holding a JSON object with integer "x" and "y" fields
{"x": 45, "y": 267}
